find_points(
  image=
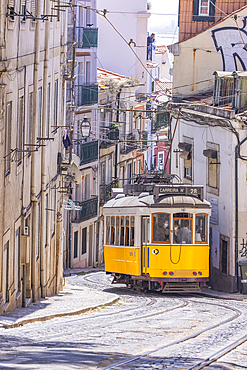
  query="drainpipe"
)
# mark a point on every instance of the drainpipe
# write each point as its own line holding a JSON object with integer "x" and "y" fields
{"x": 34, "y": 154}
{"x": 43, "y": 159}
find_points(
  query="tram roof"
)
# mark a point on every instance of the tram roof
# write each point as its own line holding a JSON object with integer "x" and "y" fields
{"x": 146, "y": 200}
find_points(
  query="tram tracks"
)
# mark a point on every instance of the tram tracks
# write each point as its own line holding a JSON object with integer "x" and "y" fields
{"x": 202, "y": 363}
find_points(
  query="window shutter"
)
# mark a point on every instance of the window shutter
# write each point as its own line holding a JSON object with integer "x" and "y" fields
{"x": 212, "y": 8}
{"x": 195, "y": 7}
{"x": 11, "y": 3}
{"x": 33, "y": 7}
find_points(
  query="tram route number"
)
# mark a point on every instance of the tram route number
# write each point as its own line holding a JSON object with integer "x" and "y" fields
{"x": 179, "y": 190}
{"x": 132, "y": 254}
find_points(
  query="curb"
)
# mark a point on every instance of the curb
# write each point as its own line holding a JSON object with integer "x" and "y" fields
{"x": 209, "y": 295}
{"x": 50, "y": 317}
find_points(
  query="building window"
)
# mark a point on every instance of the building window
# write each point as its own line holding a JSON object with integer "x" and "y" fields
{"x": 48, "y": 110}
{"x": 33, "y": 8}
{"x": 55, "y": 105}
{"x": 20, "y": 131}
{"x": 8, "y": 138}
{"x": 23, "y": 10}
{"x": 88, "y": 72}
{"x": 203, "y": 10}
{"x": 186, "y": 155}
{"x": 84, "y": 241}
{"x": 213, "y": 167}
{"x": 204, "y": 7}
{"x": 224, "y": 254}
{"x": 109, "y": 170}
{"x": 75, "y": 244}
{"x": 11, "y": 9}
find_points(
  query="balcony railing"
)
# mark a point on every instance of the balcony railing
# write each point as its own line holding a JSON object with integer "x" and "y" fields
{"x": 112, "y": 135}
{"x": 105, "y": 191}
{"x": 86, "y": 37}
{"x": 128, "y": 146}
{"x": 87, "y": 152}
{"x": 89, "y": 210}
{"x": 86, "y": 94}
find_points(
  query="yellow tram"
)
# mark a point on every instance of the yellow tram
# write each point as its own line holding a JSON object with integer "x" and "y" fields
{"x": 156, "y": 237}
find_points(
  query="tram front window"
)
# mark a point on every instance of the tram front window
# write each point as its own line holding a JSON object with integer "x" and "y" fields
{"x": 182, "y": 228}
{"x": 201, "y": 228}
{"x": 161, "y": 227}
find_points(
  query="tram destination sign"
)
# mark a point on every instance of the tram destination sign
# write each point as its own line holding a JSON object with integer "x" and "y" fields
{"x": 188, "y": 190}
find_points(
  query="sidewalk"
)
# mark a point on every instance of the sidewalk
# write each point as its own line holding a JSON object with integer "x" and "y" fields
{"x": 73, "y": 300}
{"x": 222, "y": 295}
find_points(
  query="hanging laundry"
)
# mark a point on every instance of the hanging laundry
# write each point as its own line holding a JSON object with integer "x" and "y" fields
{"x": 66, "y": 141}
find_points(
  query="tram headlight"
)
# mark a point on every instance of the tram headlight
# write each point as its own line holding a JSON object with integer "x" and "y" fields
{"x": 200, "y": 273}
{"x": 164, "y": 273}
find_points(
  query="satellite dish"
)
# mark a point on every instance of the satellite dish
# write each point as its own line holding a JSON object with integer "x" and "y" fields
{"x": 136, "y": 135}
{"x": 75, "y": 173}
{"x": 76, "y": 159}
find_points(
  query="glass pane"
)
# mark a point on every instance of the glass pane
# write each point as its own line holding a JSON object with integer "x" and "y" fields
{"x": 108, "y": 234}
{"x": 117, "y": 220}
{"x": 182, "y": 230}
{"x": 148, "y": 230}
{"x": 161, "y": 227}
{"x": 122, "y": 221}
{"x": 201, "y": 228}
{"x": 108, "y": 220}
{"x": 112, "y": 230}
{"x": 117, "y": 236}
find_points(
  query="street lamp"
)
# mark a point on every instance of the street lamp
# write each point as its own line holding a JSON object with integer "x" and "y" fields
{"x": 85, "y": 127}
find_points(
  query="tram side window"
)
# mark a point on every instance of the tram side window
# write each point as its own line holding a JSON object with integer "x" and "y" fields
{"x": 132, "y": 230}
{"x": 122, "y": 231}
{"x": 161, "y": 227}
{"x": 112, "y": 230}
{"x": 201, "y": 228}
{"x": 108, "y": 230}
{"x": 182, "y": 228}
{"x": 117, "y": 231}
{"x": 127, "y": 231}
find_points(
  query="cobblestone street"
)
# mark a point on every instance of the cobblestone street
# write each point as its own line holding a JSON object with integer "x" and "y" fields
{"x": 139, "y": 331}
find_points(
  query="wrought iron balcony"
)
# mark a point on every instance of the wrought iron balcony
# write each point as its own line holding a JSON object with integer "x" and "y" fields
{"x": 87, "y": 152}
{"x": 86, "y": 94}
{"x": 105, "y": 191}
{"x": 89, "y": 210}
{"x": 112, "y": 135}
{"x": 128, "y": 146}
{"x": 86, "y": 37}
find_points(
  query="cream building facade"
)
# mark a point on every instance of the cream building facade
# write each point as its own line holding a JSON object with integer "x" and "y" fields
{"x": 32, "y": 113}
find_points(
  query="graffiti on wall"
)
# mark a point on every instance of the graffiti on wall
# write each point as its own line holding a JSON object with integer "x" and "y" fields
{"x": 231, "y": 43}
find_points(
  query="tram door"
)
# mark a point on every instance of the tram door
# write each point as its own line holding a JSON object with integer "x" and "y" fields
{"x": 145, "y": 243}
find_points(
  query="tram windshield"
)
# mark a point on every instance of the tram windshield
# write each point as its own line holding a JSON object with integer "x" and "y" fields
{"x": 161, "y": 227}
{"x": 182, "y": 228}
{"x": 201, "y": 228}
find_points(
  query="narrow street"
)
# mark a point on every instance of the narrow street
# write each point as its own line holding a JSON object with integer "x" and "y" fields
{"x": 139, "y": 331}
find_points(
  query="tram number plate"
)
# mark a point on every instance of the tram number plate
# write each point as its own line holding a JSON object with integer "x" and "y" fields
{"x": 132, "y": 254}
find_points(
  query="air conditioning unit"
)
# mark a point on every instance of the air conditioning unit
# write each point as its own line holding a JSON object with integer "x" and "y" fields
{"x": 26, "y": 230}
